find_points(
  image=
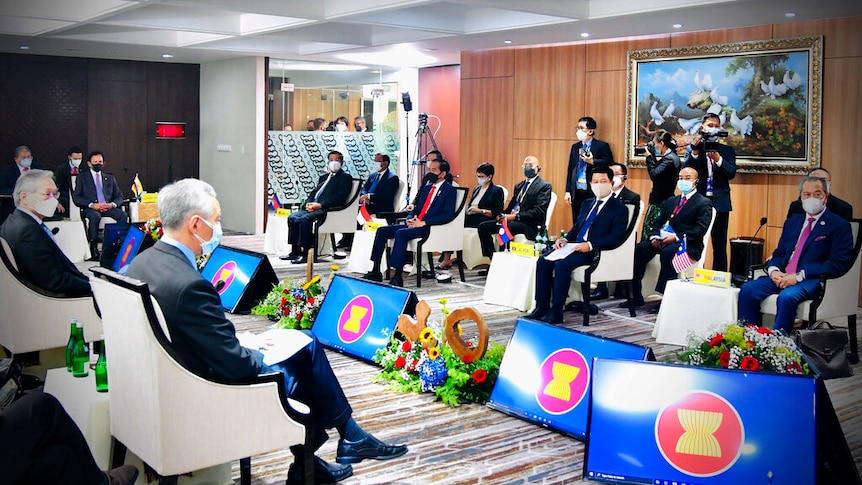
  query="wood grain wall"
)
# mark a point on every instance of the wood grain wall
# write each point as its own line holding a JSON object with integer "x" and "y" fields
{"x": 440, "y": 95}
{"x": 533, "y": 96}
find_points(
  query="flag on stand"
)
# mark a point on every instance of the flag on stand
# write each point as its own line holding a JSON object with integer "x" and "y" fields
{"x": 363, "y": 216}
{"x": 504, "y": 235}
{"x": 681, "y": 261}
{"x": 275, "y": 204}
{"x": 137, "y": 187}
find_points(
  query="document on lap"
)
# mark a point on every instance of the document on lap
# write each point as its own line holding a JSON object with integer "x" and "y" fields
{"x": 666, "y": 231}
{"x": 285, "y": 343}
{"x": 560, "y": 253}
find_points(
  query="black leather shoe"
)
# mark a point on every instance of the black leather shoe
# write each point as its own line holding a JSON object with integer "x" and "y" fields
{"x": 538, "y": 313}
{"x": 599, "y": 294}
{"x": 300, "y": 260}
{"x": 429, "y": 275}
{"x": 324, "y": 473}
{"x": 552, "y": 318}
{"x": 373, "y": 276}
{"x": 124, "y": 475}
{"x": 483, "y": 272}
{"x": 397, "y": 281}
{"x": 625, "y": 304}
{"x": 290, "y": 257}
{"x": 367, "y": 448}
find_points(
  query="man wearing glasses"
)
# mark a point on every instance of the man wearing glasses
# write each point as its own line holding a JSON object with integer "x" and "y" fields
{"x": 40, "y": 260}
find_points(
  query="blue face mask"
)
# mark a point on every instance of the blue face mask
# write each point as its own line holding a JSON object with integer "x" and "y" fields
{"x": 208, "y": 247}
{"x": 685, "y": 186}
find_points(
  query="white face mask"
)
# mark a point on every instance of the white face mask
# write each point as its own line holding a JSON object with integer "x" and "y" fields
{"x": 813, "y": 205}
{"x": 601, "y": 189}
{"x": 76, "y": 162}
{"x": 617, "y": 182}
{"x": 482, "y": 180}
{"x": 341, "y": 128}
{"x": 45, "y": 207}
{"x": 582, "y": 135}
{"x": 334, "y": 166}
{"x": 377, "y": 166}
{"x": 209, "y": 246}
{"x": 26, "y": 162}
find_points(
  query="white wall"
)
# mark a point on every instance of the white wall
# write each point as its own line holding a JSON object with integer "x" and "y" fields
{"x": 232, "y": 114}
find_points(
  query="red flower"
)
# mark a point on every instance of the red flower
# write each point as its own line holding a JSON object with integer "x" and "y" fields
{"x": 311, "y": 301}
{"x": 750, "y": 344}
{"x": 299, "y": 317}
{"x": 407, "y": 346}
{"x": 468, "y": 359}
{"x": 749, "y": 363}
{"x": 764, "y": 331}
{"x": 400, "y": 362}
{"x": 716, "y": 340}
{"x": 793, "y": 367}
{"x": 724, "y": 358}
{"x": 479, "y": 376}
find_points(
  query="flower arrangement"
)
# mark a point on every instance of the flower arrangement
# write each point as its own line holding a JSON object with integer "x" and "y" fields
{"x": 153, "y": 228}
{"x": 431, "y": 364}
{"x": 746, "y": 347}
{"x": 294, "y": 304}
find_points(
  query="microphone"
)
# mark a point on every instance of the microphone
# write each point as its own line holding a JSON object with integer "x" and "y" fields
{"x": 748, "y": 248}
{"x": 55, "y": 231}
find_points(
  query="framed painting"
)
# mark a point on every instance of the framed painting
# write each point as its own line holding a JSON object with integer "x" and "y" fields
{"x": 766, "y": 93}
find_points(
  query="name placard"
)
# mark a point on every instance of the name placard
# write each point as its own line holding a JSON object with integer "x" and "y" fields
{"x": 150, "y": 197}
{"x": 371, "y": 226}
{"x": 282, "y": 212}
{"x": 522, "y": 249}
{"x": 708, "y": 277}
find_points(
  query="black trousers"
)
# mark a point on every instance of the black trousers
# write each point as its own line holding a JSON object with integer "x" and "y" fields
{"x": 94, "y": 217}
{"x": 719, "y": 241}
{"x": 487, "y": 230}
{"x": 578, "y": 198}
{"x": 644, "y": 252}
{"x": 41, "y": 445}
{"x": 299, "y": 228}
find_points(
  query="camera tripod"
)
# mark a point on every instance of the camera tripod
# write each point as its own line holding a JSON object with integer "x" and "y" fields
{"x": 423, "y": 145}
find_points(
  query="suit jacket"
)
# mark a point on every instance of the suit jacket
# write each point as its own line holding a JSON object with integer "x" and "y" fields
{"x": 491, "y": 200}
{"x": 664, "y": 173}
{"x": 691, "y": 222}
{"x": 202, "y": 337}
{"x": 629, "y": 196}
{"x": 9, "y": 175}
{"x": 442, "y": 208}
{"x": 602, "y": 157}
{"x": 383, "y": 197}
{"x": 63, "y": 178}
{"x": 534, "y": 206}
{"x": 720, "y": 175}
{"x": 337, "y": 190}
{"x": 608, "y": 228}
{"x": 834, "y": 204}
{"x": 85, "y": 189}
{"x": 827, "y": 251}
{"x": 39, "y": 259}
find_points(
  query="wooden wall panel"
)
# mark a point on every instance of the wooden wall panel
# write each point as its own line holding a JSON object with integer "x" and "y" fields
{"x": 553, "y": 171}
{"x": 486, "y": 120}
{"x": 487, "y": 63}
{"x": 440, "y": 95}
{"x": 612, "y": 56}
{"x": 721, "y": 36}
{"x": 607, "y": 97}
{"x": 845, "y": 35}
{"x": 841, "y": 130}
{"x": 172, "y": 95}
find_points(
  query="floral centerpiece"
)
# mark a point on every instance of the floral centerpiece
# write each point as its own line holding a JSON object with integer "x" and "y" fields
{"x": 746, "y": 347}
{"x": 294, "y": 304}
{"x": 431, "y": 363}
{"x": 153, "y": 228}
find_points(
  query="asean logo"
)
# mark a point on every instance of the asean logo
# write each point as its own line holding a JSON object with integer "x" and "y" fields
{"x": 225, "y": 273}
{"x": 127, "y": 252}
{"x": 355, "y": 319}
{"x": 564, "y": 378}
{"x": 700, "y": 435}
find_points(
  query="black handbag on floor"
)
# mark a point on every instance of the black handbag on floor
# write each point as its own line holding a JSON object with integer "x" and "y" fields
{"x": 826, "y": 348}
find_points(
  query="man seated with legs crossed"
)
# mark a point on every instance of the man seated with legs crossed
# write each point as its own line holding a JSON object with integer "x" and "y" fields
{"x": 207, "y": 343}
{"x": 683, "y": 217}
{"x": 434, "y": 205}
{"x": 601, "y": 224}
{"x": 817, "y": 243}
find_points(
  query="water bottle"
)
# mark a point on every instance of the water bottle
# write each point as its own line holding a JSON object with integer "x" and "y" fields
{"x": 540, "y": 241}
{"x": 74, "y": 334}
{"x": 81, "y": 359}
{"x": 102, "y": 370}
{"x": 562, "y": 233}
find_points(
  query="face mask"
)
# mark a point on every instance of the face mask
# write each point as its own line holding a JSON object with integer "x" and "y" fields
{"x": 617, "y": 182}
{"x": 429, "y": 178}
{"x": 812, "y": 205}
{"x": 684, "y": 186}
{"x": 600, "y": 190}
{"x": 209, "y": 246}
{"x": 341, "y": 128}
{"x": 582, "y": 135}
{"x": 46, "y": 207}
{"x": 377, "y": 166}
{"x": 334, "y": 166}
{"x": 97, "y": 167}
{"x": 529, "y": 172}
{"x": 76, "y": 162}
{"x": 481, "y": 180}
{"x": 26, "y": 162}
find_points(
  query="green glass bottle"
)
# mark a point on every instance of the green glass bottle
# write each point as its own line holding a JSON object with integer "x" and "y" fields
{"x": 102, "y": 370}
{"x": 81, "y": 359}
{"x": 75, "y": 331}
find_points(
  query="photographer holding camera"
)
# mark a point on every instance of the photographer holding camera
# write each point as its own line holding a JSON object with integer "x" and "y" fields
{"x": 715, "y": 163}
{"x": 663, "y": 165}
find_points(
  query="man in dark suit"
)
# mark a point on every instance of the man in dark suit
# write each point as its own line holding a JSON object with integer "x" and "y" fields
{"x": 332, "y": 190}
{"x": 833, "y": 203}
{"x": 714, "y": 168}
{"x": 99, "y": 195}
{"x": 359, "y": 125}
{"x": 64, "y": 174}
{"x": 683, "y": 217}
{"x": 586, "y": 154}
{"x": 39, "y": 259}
{"x": 9, "y": 175}
{"x": 377, "y": 193}
{"x": 435, "y": 204}
{"x": 600, "y": 225}
{"x": 527, "y": 210}
{"x": 818, "y": 243}
{"x": 206, "y": 342}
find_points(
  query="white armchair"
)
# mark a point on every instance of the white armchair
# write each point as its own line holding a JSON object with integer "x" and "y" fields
{"x": 837, "y": 297}
{"x": 171, "y": 418}
{"x": 339, "y": 219}
{"x": 613, "y": 264}
{"x": 442, "y": 237}
{"x": 472, "y": 251}
{"x": 35, "y": 320}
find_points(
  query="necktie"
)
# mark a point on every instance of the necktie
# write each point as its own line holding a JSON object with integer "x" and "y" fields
{"x": 588, "y": 222}
{"x": 26, "y": 169}
{"x": 75, "y": 171}
{"x": 682, "y": 201}
{"x": 50, "y": 234}
{"x": 100, "y": 193}
{"x": 797, "y": 251}
{"x": 319, "y": 192}
{"x": 521, "y": 195}
{"x": 427, "y": 203}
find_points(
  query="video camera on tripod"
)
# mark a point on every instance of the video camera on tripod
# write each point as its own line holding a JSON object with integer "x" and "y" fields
{"x": 423, "y": 119}
{"x": 709, "y": 140}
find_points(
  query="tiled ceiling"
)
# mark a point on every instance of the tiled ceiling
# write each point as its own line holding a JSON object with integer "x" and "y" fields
{"x": 415, "y": 33}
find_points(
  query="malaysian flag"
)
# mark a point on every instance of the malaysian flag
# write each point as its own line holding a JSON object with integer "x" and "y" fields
{"x": 681, "y": 261}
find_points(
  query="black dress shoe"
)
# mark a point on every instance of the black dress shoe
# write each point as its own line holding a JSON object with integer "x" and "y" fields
{"x": 367, "y": 448}
{"x": 625, "y": 304}
{"x": 483, "y": 272}
{"x": 599, "y": 294}
{"x": 290, "y": 257}
{"x": 373, "y": 276}
{"x": 397, "y": 281}
{"x": 538, "y": 313}
{"x": 300, "y": 260}
{"x": 428, "y": 275}
{"x": 552, "y": 318}
{"x": 324, "y": 473}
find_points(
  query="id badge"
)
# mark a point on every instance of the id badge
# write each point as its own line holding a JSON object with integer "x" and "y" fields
{"x": 709, "y": 187}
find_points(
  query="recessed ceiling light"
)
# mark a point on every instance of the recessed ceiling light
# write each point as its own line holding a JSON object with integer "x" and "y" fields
{"x": 585, "y": 34}
{"x": 507, "y": 41}
{"x": 376, "y": 71}
{"x": 24, "y": 47}
{"x": 790, "y": 14}
{"x": 677, "y": 26}
{"x": 429, "y": 49}
{"x": 167, "y": 56}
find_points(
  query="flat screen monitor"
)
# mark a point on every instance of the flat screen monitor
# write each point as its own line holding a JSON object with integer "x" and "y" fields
{"x": 114, "y": 233}
{"x": 357, "y": 316}
{"x": 655, "y": 423}
{"x": 230, "y": 271}
{"x": 545, "y": 374}
{"x": 129, "y": 249}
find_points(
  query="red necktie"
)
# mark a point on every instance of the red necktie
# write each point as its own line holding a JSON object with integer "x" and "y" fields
{"x": 797, "y": 251}
{"x": 682, "y": 201}
{"x": 427, "y": 203}
{"x": 75, "y": 171}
